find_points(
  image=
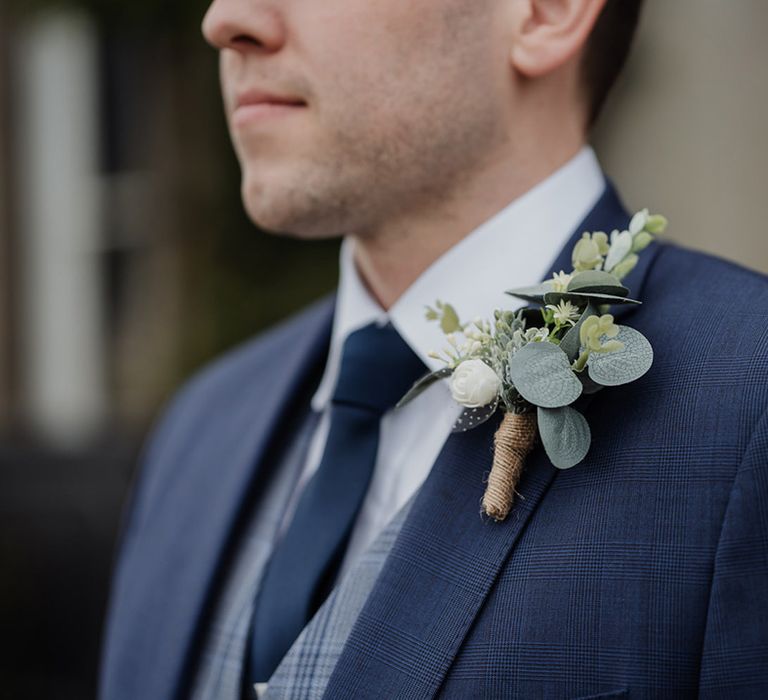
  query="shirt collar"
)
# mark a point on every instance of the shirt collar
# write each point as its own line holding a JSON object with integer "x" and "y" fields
{"x": 514, "y": 248}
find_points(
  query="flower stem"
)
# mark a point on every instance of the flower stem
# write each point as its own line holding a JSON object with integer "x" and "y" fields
{"x": 513, "y": 441}
{"x": 579, "y": 365}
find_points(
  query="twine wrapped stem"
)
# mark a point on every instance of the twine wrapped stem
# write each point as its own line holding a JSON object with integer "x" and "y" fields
{"x": 513, "y": 440}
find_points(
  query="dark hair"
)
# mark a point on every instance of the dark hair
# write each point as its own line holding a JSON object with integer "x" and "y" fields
{"x": 607, "y": 50}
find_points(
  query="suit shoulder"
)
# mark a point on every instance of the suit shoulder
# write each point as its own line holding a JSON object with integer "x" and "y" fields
{"x": 224, "y": 380}
{"x": 205, "y": 401}
{"x": 707, "y": 319}
{"x": 708, "y": 297}
{"x": 707, "y": 277}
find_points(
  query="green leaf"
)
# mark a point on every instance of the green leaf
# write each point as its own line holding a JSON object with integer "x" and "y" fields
{"x": 570, "y": 344}
{"x": 625, "y": 365}
{"x": 534, "y": 294}
{"x": 423, "y": 383}
{"x": 450, "y": 322}
{"x": 541, "y": 373}
{"x": 596, "y": 281}
{"x": 565, "y": 435}
{"x": 581, "y": 299}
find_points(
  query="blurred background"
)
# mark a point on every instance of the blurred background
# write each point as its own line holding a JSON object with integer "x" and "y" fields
{"x": 126, "y": 261}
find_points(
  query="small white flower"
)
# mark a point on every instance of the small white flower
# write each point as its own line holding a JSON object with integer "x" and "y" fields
{"x": 565, "y": 313}
{"x": 560, "y": 281}
{"x": 474, "y": 384}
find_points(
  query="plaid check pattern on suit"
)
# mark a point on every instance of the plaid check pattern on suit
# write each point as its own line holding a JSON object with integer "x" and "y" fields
{"x": 307, "y": 667}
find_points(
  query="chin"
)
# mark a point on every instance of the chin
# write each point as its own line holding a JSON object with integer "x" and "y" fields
{"x": 288, "y": 211}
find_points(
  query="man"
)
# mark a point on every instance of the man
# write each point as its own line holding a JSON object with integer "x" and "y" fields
{"x": 271, "y": 548}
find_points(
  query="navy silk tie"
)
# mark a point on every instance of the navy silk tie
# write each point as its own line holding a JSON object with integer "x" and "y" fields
{"x": 377, "y": 368}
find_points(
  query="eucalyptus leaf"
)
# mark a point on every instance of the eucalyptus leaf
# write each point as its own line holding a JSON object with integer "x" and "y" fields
{"x": 581, "y": 299}
{"x": 571, "y": 344}
{"x": 625, "y": 365}
{"x": 541, "y": 373}
{"x": 565, "y": 435}
{"x": 535, "y": 293}
{"x": 596, "y": 281}
{"x": 472, "y": 417}
{"x": 423, "y": 383}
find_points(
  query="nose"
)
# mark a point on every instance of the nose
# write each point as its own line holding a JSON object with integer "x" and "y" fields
{"x": 244, "y": 25}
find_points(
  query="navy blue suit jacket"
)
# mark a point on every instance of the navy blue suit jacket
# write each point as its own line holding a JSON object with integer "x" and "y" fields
{"x": 642, "y": 572}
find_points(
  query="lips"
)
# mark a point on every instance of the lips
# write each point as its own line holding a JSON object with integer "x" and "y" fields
{"x": 259, "y": 97}
{"x": 256, "y": 105}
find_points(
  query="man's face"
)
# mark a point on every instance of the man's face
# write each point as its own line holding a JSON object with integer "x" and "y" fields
{"x": 344, "y": 113}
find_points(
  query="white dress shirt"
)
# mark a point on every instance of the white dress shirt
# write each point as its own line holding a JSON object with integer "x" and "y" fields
{"x": 514, "y": 248}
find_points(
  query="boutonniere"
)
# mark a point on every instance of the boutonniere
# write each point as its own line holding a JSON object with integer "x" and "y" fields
{"x": 534, "y": 363}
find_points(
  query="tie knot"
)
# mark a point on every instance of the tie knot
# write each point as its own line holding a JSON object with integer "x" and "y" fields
{"x": 377, "y": 368}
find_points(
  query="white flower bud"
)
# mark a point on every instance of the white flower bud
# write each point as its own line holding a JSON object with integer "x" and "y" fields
{"x": 474, "y": 384}
{"x": 638, "y": 222}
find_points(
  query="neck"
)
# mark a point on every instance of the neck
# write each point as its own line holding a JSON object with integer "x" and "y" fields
{"x": 393, "y": 256}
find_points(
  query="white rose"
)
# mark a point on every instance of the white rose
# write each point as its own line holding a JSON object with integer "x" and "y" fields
{"x": 474, "y": 384}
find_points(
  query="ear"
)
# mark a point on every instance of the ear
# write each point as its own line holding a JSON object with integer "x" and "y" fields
{"x": 549, "y": 33}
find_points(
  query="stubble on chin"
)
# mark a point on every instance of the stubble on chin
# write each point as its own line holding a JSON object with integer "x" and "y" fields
{"x": 300, "y": 206}
{"x": 362, "y": 180}
{"x": 342, "y": 187}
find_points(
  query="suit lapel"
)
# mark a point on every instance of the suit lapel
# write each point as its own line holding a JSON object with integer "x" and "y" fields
{"x": 437, "y": 576}
{"x": 170, "y": 576}
{"x": 447, "y": 556}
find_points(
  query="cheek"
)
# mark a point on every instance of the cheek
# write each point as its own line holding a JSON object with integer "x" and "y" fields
{"x": 441, "y": 56}
{"x": 358, "y": 50}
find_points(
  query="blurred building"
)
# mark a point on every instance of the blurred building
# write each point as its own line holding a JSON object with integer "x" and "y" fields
{"x": 125, "y": 263}
{"x": 6, "y": 281}
{"x": 119, "y": 193}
